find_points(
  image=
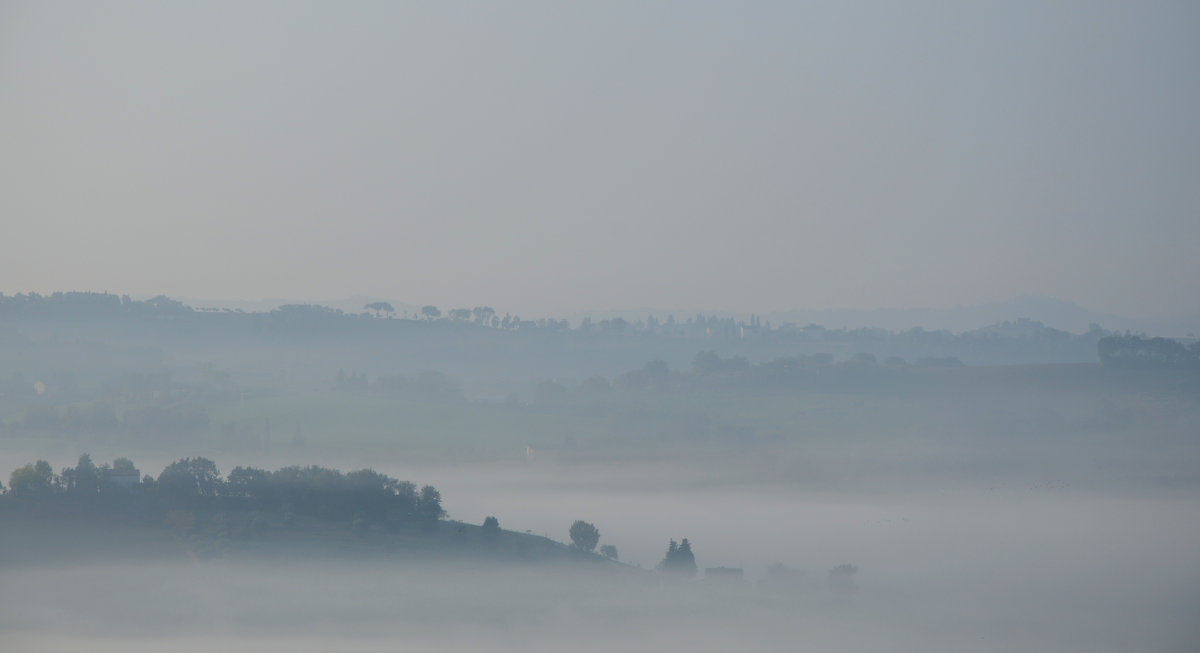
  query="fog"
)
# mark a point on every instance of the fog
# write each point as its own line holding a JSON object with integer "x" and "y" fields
{"x": 630, "y": 326}
{"x": 1044, "y": 496}
{"x": 958, "y": 568}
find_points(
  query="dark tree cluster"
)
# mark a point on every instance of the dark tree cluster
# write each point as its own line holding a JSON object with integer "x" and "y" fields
{"x": 679, "y": 561}
{"x": 196, "y": 484}
{"x": 1021, "y": 339}
{"x": 85, "y": 304}
{"x": 584, "y": 536}
{"x": 84, "y": 480}
{"x": 1136, "y": 352}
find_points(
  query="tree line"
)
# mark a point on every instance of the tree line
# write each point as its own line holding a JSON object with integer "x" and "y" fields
{"x": 195, "y": 484}
{"x": 1002, "y": 337}
{"x": 1138, "y": 352}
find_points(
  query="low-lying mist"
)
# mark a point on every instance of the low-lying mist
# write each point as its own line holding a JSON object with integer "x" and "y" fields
{"x": 1050, "y": 507}
{"x": 1020, "y": 565}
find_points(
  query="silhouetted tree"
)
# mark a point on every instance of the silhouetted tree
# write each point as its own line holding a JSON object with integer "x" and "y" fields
{"x": 680, "y": 560}
{"x": 190, "y": 478}
{"x": 247, "y": 483}
{"x": 584, "y": 535}
{"x": 32, "y": 480}
{"x": 193, "y": 484}
{"x": 1131, "y": 351}
{"x": 380, "y": 307}
{"x": 84, "y": 478}
{"x": 429, "y": 505}
{"x": 124, "y": 466}
{"x": 483, "y": 314}
{"x": 372, "y": 493}
{"x": 491, "y": 529}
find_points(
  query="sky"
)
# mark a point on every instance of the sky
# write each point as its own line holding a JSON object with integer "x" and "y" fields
{"x": 548, "y": 157}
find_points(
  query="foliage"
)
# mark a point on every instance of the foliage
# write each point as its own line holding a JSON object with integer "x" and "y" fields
{"x": 380, "y": 307}
{"x": 584, "y": 536}
{"x": 194, "y": 484}
{"x": 1131, "y": 351}
{"x": 190, "y": 478}
{"x": 679, "y": 561}
{"x": 33, "y": 480}
{"x": 429, "y": 505}
{"x": 84, "y": 479}
{"x": 124, "y": 466}
{"x": 609, "y": 551}
{"x": 246, "y": 482}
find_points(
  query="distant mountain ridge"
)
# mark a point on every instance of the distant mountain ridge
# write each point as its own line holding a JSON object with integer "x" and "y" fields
{"x": 1052, "y": 312}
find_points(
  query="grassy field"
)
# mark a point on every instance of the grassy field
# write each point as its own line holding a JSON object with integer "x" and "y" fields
{"x": 30, "y": 538}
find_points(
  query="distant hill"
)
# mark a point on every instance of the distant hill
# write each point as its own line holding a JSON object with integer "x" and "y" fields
{"x": 51, "y": 536}
{"x": 1054, "y": 313}
{"x": 353, "y": 304}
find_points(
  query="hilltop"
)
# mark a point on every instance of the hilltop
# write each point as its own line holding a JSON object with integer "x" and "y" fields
{"x": 91, "y": 512}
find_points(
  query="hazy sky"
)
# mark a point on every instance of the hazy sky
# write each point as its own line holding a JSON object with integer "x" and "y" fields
{"x": 551, "y": 157}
